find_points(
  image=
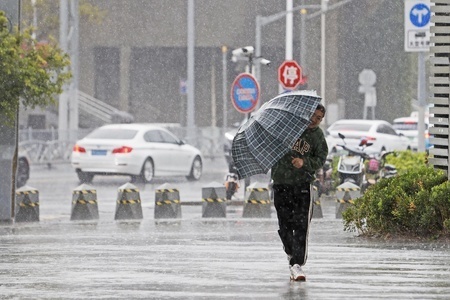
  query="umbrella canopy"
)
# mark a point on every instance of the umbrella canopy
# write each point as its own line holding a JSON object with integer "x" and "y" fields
{"x": 272, "y": 131}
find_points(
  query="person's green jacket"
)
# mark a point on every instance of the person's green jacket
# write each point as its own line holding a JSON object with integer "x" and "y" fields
{"x": 312, "y": 147}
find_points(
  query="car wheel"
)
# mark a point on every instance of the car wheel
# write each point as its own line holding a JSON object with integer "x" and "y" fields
{"x": 23, "y": 173}
{"x": 85, "y": 177}
{"x": 147, "y": 171}
{"x": 196, "y": 169}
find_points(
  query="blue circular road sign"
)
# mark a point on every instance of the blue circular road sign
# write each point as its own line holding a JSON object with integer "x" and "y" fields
{"x": 420, "y": 15}
{"x": 245, "y": 93}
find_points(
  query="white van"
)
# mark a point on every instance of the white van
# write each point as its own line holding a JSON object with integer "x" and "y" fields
{"x": 409, "y": 127}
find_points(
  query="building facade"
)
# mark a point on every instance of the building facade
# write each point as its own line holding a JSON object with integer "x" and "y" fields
{"x": 136, "y": 58}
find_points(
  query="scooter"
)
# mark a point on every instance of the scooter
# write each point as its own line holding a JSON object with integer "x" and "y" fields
{"x": 378, "y": 169}
{"x": 231, "y": 182}
{"x": 351, "y": 165}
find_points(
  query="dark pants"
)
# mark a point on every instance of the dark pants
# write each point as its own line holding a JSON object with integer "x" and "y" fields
{"x": 294, "y": 209}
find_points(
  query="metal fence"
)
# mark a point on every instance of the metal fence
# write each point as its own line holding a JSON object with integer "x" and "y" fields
{"x": 45, "y": 147}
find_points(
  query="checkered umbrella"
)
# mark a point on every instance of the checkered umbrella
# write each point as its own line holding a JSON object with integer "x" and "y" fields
{"x": 272, "y": 131}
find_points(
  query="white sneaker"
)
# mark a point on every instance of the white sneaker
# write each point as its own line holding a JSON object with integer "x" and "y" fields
{"x": 297, "y": 273}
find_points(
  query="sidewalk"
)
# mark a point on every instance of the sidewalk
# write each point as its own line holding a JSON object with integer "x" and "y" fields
{"x": 195, "y": 258}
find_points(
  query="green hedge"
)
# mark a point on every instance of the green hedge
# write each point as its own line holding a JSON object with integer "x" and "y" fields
{"x": 406, "y": 161}
{"x": 416, "y": 202}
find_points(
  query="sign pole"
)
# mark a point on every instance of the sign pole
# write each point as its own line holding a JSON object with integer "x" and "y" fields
{"x": 421, "y": 95}
{"x": 417, "y": 16}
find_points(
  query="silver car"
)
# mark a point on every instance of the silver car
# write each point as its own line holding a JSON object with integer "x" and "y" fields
{"x": 378, "y": 132}
{"x": 142, "y": 151}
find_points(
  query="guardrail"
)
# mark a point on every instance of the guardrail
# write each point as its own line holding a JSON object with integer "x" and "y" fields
{"x": 47, "y": 152}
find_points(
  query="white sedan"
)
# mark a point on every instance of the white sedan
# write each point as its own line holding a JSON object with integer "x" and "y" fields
{"x": 378, "y": 132}
{"x": 142, "y": 151}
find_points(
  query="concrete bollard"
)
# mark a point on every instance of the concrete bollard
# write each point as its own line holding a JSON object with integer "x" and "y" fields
{"x": 345, "y": 194}
{"x": 128, "y": 205}
{"x": 214, "y": 201}
{"x": 84, "y": 203}
{"x": 257, "y": 202}
{"x": 167, "y": 203}
{"x": 27, "y": 204}
{"x": 317, "y": 205}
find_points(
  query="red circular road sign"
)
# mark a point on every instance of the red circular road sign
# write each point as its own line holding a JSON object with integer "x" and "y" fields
{"x": 290, "y": 74}
{"x": 245, "y": 93}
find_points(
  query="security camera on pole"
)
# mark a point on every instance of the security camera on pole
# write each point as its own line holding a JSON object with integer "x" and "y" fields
{"x": 245, "y": 88}
{"x": 248, "y": 54}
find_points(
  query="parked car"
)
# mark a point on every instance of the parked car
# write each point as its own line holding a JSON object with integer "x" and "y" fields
{"x": 331, "y": 142}
{"x": 409, "y": 126}
{"x": 142, "y": 151}
{"x": 23, "y": 169}
{"x": 378, "y": 132}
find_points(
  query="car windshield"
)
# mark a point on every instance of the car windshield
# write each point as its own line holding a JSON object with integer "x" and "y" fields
{"x": 407, "y": 126}
{"x": 350, "y": 127}
{"x": 115, "y": 134}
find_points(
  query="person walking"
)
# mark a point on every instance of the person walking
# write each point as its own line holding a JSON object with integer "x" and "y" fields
{"x": 292, "y": 176}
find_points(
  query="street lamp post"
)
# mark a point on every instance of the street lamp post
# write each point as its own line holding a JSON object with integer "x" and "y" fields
{"x": 322, "y": 55}
{"x": 224, "y": 88}
{"x": 289, "y": 35}
{"x": 324, "y": 8}
{"x": 190, "y": 72}
{"x": 303, "y": 12}
{"x": 74, "y": 53}
{"x": 63, "y": 105}
{"x": 262, "y": 21}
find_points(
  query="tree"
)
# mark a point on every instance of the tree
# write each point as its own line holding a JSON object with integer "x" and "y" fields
{"x": 47, "y": 14}
{"x": 32, "y": 73}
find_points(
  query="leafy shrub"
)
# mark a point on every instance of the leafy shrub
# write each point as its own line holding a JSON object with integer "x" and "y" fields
{"x": 440, "y": 200}
{"x": 334, "y": 172}
{"x": 405, "y": 161}
{"x": 416, "y": 202}
{"x": 32, "y": 72}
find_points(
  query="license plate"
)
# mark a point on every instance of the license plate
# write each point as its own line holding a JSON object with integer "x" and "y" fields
{"x": 98, "y": 152}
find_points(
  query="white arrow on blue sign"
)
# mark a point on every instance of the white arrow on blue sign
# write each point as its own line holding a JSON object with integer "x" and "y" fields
{"x": 420, "y": 15}
{"x": 245, "y": 93}
{"x": 417, "y": 25}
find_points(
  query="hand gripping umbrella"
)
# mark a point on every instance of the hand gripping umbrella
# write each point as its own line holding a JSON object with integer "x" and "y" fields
{"x": 272, "y": 131}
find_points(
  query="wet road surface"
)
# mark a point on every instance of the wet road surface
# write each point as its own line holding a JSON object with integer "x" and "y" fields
{"x": 200, "y": 258}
